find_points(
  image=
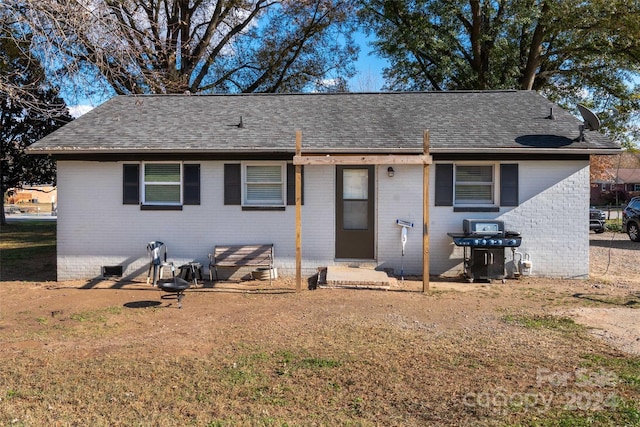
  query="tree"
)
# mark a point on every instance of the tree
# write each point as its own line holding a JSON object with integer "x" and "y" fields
{"x": 571, "y": 50}
{"x": 199, "y": 46}
{"x": 27, "y": 114}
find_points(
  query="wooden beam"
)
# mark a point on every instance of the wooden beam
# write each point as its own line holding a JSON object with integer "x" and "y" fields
{"x": 298, "y": 214}
{"x": 425, "y": 214}
{"x": 364, "y": 159}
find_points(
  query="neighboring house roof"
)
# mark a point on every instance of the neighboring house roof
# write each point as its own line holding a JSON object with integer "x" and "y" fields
{"x": 458, "y": 122}
{"x": 622, "y": 176}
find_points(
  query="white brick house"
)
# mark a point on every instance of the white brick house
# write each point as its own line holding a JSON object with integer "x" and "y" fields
{"x": 198, "y": 171}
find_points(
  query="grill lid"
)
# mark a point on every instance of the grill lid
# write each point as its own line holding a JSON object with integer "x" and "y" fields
{"x": 485, "y": 227}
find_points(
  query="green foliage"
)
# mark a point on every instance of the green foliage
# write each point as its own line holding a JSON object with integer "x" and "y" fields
{"x": 573, "y": 51}
{"x": 25, "y": 117}
{"x": 96, "y": 316}
{"x": 614, "y": 225}
{"x": 627, "y": 369}
{"x": 565, "y": 324}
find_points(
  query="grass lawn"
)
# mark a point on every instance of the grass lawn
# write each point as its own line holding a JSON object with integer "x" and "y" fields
{"x": 28, "y": 250}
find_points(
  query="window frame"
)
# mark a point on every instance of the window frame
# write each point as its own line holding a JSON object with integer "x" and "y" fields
{"x": 263, "y": 203}
{"x": 494, "y": 185}
{"x": 143, "y": 184}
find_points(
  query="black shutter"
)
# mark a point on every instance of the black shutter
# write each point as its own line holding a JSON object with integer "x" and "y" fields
{"x": 509, "y": 185}
{"x": 444, "y": 184}
{"x": 291, "y": 184}
{"x": 232, "y": 184}
{"x": 131, "y": 184}
{"x": 191, "y": 190}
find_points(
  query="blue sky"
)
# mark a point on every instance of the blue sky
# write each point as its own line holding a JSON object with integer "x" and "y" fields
{"x": 369, "y": 66}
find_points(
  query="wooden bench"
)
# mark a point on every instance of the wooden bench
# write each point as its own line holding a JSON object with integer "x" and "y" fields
{"x": 241, "y": 256}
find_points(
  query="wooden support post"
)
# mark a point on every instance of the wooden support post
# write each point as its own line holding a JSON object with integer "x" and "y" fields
{"x": 425, "y": 215}
{"x": 298, "y": 214}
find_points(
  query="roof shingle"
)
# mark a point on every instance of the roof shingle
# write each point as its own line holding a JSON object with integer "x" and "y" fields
{"x": 487, "y": 121}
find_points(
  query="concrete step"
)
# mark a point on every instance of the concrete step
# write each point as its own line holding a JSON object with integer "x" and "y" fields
{"x": 356, "y": 277}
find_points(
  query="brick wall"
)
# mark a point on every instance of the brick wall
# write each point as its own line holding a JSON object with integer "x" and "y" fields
{"x": 95, "y": 229}
{"x": 552, "y": 218}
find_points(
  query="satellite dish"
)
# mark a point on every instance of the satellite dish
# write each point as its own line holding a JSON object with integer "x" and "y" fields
{"x": 591, "y": 121}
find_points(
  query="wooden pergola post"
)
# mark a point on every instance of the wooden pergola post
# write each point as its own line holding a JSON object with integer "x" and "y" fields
{"x": 298, "y": 214}
{"x": 425, "y": 214}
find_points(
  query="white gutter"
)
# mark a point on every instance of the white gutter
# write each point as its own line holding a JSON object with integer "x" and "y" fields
{"x": 525, "y": 151}
{"x": 182, "y": 150}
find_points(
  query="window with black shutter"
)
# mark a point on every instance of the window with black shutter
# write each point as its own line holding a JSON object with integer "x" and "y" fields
{"x": 472, "y": 187}
{"x": 131, "y": 184}
{"x": 444, "y": 184}
{"x": 161, "y": 185}
{"x": 191, "y": 185}
{"x": 509, "y": 185}
{"x": 291, "y": 184}
{"x": 233, "y": 183}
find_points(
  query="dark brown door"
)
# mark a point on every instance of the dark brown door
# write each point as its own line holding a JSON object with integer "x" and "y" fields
{"x": 355, "y": 212}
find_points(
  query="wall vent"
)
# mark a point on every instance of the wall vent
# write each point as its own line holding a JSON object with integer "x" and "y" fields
{"x": 112, "y": 271}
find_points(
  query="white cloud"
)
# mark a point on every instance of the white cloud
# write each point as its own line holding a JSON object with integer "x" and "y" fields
{"x": 78, "y": 110}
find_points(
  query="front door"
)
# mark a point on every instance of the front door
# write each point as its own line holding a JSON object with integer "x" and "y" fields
{"x": 355, "y": 212}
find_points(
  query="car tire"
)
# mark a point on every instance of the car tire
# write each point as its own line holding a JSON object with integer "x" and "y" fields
{"x": 599, "y": 230}
{"x": 633, "y": 231}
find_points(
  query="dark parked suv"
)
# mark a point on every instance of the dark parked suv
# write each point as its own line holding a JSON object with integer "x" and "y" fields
{"x": 597, "y": 220}
{"x": 631, "y": 219}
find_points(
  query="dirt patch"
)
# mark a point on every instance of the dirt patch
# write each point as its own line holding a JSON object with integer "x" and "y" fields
{"x": 617, "y": 326}
{"x": 615, "y": 273}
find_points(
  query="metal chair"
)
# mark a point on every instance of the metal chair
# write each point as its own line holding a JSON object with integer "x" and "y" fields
{"x": 158, "y": 261}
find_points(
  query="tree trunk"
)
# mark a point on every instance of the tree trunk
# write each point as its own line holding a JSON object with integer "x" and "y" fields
{"x": 535, "y": 50}
{"x": 3, "y": 218}
{"x": 476, "y": 43}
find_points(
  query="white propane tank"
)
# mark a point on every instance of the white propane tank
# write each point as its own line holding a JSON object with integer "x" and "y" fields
{"x": 526, "y": 265}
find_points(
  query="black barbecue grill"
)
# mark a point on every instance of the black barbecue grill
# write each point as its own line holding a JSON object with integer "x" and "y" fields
{"x": 483, "y": 242}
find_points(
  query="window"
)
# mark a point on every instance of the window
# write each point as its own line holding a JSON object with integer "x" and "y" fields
{"x": 474, "y": 185}
{"x": 263, "y": 185}
{"x": 477, "y": 187}
{"x": 355, "y": 196}
{"x": 233, "y": 185}
{"x": 162, "y": 184}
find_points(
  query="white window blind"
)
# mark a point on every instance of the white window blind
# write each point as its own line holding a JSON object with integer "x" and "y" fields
{"x": 162, "y": 183}
{"x": 264, "y": 185}
{"x": 474, "y": 184}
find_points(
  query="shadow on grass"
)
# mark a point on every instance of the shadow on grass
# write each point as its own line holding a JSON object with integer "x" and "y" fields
{"x": 629, "y": 301}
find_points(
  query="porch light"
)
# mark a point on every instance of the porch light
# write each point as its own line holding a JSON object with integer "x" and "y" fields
{"x": 390, "y": 172}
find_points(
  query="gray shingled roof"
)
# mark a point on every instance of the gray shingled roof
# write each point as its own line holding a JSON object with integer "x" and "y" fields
{"x": 490, "y": 121}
